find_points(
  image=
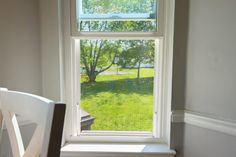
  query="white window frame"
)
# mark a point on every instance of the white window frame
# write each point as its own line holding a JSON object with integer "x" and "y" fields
{"x": 166, "y": 15}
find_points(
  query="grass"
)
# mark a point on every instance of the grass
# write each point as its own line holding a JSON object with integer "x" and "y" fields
{"x": 119, "y": 102}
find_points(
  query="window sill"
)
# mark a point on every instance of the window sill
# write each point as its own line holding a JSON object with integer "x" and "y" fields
{"x": 116, "y": 150}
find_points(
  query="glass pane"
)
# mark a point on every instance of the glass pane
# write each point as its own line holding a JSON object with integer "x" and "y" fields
{"x": 117, "y": 15}
{"x": 117, "y": 85}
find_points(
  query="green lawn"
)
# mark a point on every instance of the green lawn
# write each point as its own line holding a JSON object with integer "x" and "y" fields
{"x": 118, "y": 102}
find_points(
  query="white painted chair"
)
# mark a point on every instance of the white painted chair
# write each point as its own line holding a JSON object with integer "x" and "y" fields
{"x": 49, "y": 117}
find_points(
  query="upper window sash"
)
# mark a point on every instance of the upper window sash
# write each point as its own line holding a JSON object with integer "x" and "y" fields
{"x": 142, "y": 16}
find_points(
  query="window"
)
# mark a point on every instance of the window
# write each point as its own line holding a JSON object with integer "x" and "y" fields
{"x": 119, "y": 77}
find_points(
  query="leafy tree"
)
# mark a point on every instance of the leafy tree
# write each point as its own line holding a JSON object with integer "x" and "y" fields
{"x": 98, "y": 55}
{"x": 138, "y": 52}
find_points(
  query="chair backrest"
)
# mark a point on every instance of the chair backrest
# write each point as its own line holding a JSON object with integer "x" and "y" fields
{"x": 47, "y": 115}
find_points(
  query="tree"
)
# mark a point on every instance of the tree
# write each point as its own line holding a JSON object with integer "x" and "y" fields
{"x": 139, "y": 52}
{"x": 97, "y": 56}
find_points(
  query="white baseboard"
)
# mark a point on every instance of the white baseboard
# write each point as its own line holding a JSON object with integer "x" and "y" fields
{"x": 204, "y": 121}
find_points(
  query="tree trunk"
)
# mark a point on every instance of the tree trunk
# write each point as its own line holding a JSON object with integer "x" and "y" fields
{"x": 92, "y": 77}
{"x": 138, "y": 75}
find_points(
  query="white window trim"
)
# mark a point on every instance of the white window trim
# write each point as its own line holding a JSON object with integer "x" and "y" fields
{"x": 166, "y": 79}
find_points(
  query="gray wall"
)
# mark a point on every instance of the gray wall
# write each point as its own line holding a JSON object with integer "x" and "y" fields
{"x": 209, "y": 83}
{"x": 179, "y": 56}
{"x": 179, "y": 71}
{"x": 50, "y": 48}
{"x": 199, "y": 142}
{"x": 177, "y": 138}
{"x": 211, "y": 54}
{"x": 20, "y": 46}
{"x": 29, "y": 47}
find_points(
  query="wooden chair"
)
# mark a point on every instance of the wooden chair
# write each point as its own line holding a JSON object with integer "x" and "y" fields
{"x": 49, "y": 117}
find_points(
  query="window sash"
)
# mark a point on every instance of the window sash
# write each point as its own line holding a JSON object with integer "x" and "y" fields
{"x": 155, "y": 135}
{"x": 76, "y": 33}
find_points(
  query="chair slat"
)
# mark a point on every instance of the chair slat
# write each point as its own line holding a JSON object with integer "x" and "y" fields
{"x": 14, "y": 134}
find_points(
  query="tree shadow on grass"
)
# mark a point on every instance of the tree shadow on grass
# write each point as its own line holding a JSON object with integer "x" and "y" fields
{"x": 123, "y": 86}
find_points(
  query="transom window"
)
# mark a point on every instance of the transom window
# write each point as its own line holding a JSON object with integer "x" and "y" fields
{"x": 117, "y": 69}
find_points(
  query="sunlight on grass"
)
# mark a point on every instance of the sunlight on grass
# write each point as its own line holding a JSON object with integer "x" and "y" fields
{"x": 119, "y": 102}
